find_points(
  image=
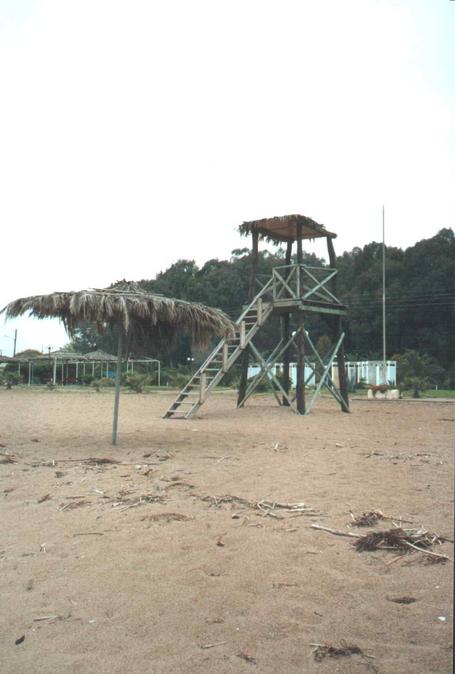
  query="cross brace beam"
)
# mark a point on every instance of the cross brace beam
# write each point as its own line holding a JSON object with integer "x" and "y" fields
{"x": 318, "y": 368}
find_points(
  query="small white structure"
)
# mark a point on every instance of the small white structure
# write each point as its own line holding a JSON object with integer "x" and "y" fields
{"x": 389, "y": 394}
{"x": 363, "y": 371}
{"x": 310, "y": 378}
{"x": 372, "y": 372}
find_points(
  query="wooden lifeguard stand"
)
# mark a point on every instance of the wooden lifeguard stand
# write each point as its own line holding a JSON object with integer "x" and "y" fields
{"x": 293, "y": 290}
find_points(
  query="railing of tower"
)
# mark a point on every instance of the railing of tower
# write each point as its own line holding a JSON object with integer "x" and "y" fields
{"x": 262, "y": 294}
{"x": 302, "y": 282}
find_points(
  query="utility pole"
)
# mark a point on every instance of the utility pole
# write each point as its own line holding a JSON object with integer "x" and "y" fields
{"x": 384, "y": 361}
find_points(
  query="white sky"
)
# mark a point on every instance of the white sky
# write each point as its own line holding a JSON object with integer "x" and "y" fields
{"x": 134, "y": 133}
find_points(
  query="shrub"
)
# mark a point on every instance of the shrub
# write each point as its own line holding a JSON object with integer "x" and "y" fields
{"x": 417, "y": 371}
{"x": 416, "y": 385}
{"x": 175, "y": 377}
{"x": 11, "y": 379}
{"x": 87, "y": 379}
{"x": 104, "y": 382}
{"x": 136, "y": 382}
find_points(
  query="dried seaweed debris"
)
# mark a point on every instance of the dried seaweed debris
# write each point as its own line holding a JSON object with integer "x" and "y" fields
{"x": 398, "y": 539}
{"x": 264, "y": 506}
{"x": 402, "y": 600}
{"x": 367, "y": 519}
{"x": 166, "y": 517}
{"x": 322, "y": 651}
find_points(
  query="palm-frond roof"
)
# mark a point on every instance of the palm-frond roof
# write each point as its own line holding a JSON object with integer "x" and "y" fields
{"x": 284, "y": 228}
{"x": 125, "y": 305}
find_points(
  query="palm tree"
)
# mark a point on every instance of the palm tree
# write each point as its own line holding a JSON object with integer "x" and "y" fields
{"x": 128, "y": 310}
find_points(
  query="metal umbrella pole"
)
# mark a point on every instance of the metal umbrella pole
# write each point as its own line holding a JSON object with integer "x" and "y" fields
{"x": 118, "y": 377}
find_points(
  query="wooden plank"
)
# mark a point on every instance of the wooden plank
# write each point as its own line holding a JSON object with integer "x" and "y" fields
{"x": 203, "y": 387}
{"x": 242, "y": 335}
{"x": 225, "y": 356}
{"x": 291, "y": 306}
{"x": 300, "y": 343}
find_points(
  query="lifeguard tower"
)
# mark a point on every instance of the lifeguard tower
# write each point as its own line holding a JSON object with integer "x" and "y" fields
{"x": 293, "y": 290}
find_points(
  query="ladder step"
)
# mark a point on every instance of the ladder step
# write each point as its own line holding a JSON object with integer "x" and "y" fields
{"x": 220, "y": 361}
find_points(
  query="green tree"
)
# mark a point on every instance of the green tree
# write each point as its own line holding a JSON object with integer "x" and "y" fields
{"x": 420, "y": 308}
{"x": 417, "y": 371}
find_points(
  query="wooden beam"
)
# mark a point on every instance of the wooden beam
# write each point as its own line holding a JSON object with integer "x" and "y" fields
{"x": 337, "y": 329}
{"x": 203, "y": 388}
{"x": 225, "y": 356}
{"x": 251, "y": 294}
{"x": 282, "y": 306}
{"x": 285, "y": 334}
{"x": 300, "y": 385}
{"x": 242, "y": 334}
{"x": 260, "y": 318}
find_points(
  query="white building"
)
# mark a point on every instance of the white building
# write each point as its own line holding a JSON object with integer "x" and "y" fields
{"x": 365, "y": 371}
{"x": 278, "y": 368}
{"x": 372, "y": 372}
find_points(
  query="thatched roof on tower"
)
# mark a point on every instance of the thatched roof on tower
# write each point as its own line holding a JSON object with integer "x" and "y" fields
{"x": 284, "y": 228}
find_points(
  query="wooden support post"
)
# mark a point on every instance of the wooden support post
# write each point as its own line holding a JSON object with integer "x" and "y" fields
{"x": 203, "y": 387}
{"x": 286, "y": 333}
{"x": 259, "y": 311}
{"x": 251, "y": 294}
{"x": 242, "y": 335}
{"x": 337, "y": 329}
{"x": 225, "y": 356}
{"x": 300, "y": 386}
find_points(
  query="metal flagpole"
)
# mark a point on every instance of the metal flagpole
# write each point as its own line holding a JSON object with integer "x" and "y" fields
{"x": 384, "y": 361}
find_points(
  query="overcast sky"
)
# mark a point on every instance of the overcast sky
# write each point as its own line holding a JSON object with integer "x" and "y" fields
{"x": 134, "y": 133}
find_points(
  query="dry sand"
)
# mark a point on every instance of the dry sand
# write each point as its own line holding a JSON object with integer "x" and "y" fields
{"x": 99, "y": 581}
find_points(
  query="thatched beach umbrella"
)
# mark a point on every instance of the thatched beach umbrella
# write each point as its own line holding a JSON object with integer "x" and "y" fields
{"x": 130, "y": 312}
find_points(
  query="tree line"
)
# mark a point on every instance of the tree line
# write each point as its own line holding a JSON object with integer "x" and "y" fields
{"x": 420, "y": 307}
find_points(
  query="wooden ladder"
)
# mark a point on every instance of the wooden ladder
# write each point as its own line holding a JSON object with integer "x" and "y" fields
{"x": 222, "y": 358}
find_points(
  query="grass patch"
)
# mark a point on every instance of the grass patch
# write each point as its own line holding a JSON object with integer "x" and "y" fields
{"x": 431, "y": 393}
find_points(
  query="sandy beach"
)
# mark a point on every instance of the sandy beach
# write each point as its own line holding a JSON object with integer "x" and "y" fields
{"x": 182, "y": 550}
